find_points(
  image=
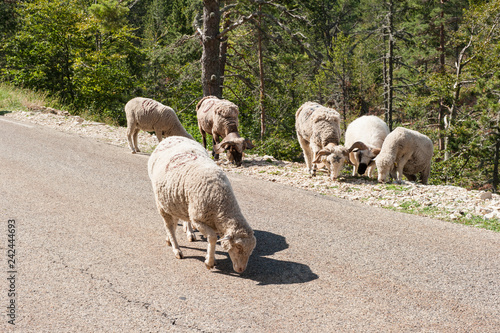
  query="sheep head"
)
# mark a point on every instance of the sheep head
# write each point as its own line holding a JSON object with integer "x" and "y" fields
{"x": 234, "y": 145}
{"x": 385, "y": 166}
{"x": 364, "y": 155}
{"x": 239, "y": 247}
{"x": 334, "y": 157}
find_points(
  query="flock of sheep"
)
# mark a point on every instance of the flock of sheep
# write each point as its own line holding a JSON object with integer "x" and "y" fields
{"x": 189, "y": 186}
{"x": 400, "y": 152}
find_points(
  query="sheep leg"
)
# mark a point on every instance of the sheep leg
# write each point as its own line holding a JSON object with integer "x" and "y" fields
{"x": 204, "y": 137}
{"x": 158, "y": 135}
{"x": 212, "y": 240}
{"x": 401, "y": 164}
{"x": 186, "y": 226}
{"x": 170, "y": 226}
{"x": 424, "y": 175}
{"x": 130, "y": 133}
{"x": 370, "y": 171}
{"x": 307, "y": 153}
{"x": 215, "y": 140}
{"x": 314, "y": 166}
{"x": 136, "y": 142}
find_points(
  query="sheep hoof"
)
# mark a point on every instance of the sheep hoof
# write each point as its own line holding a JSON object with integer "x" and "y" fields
{"x": 133, "y": 151}
{"x": 178, "y": 254}
{"x": 191, "y": 237}
{"x": 208, "y": 265}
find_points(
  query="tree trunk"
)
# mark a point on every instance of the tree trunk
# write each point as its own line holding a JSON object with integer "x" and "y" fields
{"x": 210, "y": 58}
{"x": 345, "y": 95}
{"x": 386, "y": 105}
{"x": 223, "y": 50}
{"x": 457, "y": 86}
{"x": 442, "y": 107}
{"x": 451, "y": 120}
{"x": 389, "y": 90}
{"x": 495, "y": 164}
{"x": 261, "y": 77}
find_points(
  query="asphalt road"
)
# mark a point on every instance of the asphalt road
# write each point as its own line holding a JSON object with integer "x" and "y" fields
{"x": 91, "y": 255}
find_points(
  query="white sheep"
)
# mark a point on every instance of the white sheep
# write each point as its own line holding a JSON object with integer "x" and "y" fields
{"x": 318, "y": 132}
{"x": 366, "y": 133}
{"x": 219, "y": 118}
{"x": 189, "y": 186}
{"x": 405, "y": 152}
{"x": 149, "y": 115}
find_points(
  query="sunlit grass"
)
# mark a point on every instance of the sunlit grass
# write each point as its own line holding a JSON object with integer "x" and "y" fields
{"x": 19, "y": 99}
{"x": 415, "y": 208}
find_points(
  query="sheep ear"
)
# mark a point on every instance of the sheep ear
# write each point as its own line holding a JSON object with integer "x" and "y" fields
{"x": 320, "y": 153}
{"x": 249, "y": 144}
{"x": 225, "y": 238}
{"x": 358, "y": 144}
{"x": 376, "y": 151}
{"x": 220, "y": 147}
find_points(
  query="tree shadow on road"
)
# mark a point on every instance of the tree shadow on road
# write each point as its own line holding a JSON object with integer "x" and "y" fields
{"x": 265, "y": 270}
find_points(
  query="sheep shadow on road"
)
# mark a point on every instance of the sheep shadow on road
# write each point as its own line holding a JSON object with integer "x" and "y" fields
{"x": 266, "y": 270}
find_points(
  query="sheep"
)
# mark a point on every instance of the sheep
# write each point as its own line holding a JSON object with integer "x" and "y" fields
{"x": 149, "y": 115}
{"x": 407, "y": 152}
{"x": 188, "y": 185}
{"x": 367, "y": 133}
{"x": 318, "y": 132}
{"x": 219, "y": 118}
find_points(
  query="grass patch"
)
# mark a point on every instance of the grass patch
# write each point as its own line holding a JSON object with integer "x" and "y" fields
{"x": 479, "y": 222}
{"x": 410, "y": 207}
{"x": 415, "y": 208}
{"x": 19, "y": 99}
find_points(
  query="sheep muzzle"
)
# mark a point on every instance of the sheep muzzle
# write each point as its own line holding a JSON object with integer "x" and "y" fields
{"x": 362, "y": 168}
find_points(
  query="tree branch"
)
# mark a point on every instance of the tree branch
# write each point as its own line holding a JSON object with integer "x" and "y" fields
{"x": 236, "y": 24}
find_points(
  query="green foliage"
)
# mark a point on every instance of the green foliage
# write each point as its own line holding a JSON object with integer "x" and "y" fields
{"x": 279, "y": 148}
{"x": 39, "y": 56}
{"x": 110, "y": 15}
{"x": 86, "y": 59}
{"x": 104, "y": 68}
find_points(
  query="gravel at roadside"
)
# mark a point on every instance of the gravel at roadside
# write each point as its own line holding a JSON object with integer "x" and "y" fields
{"x": 448, "y": 203}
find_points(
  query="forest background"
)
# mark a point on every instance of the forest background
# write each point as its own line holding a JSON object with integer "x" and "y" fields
{"x": 428, "y": 65}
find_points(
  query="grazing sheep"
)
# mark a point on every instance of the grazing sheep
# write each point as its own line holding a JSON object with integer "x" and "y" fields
{"x": 318, "y": 132}
{"x": 367, "y": 133}
{"x": 219, "y": 118}
{"x": 405, "y": 152}
{"x": 189, "y": 186}
{"x": 149, "y": 115}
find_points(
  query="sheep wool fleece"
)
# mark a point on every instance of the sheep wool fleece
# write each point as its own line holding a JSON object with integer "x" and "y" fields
{"x": 190, "y": 186}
